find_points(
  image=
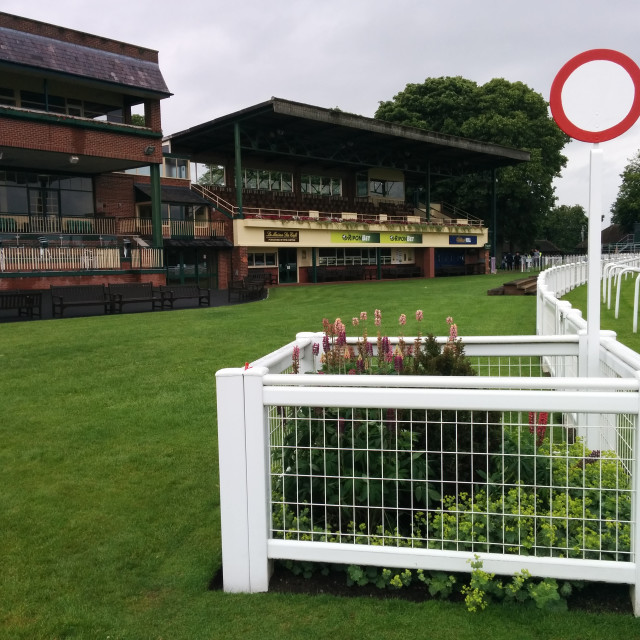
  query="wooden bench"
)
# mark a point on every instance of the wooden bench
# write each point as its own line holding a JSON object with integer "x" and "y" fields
{"x": 78, "y": 296}
{"x": 130, "y": 292}
{"x": 246, "y": 289}
{"x": 170, "y": 293}
{"x": 27, "y": 303}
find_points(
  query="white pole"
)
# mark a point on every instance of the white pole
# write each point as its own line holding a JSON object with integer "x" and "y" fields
{"x": 594, "y": 248}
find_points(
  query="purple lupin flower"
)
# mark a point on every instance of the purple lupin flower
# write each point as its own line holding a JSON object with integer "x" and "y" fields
{"x": 295, "y": 358}
{"x": 398, "y": 362}
{"x": 315, "y": 349}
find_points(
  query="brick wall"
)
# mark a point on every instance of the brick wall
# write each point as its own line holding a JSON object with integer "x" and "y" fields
{"x": 114, "y": 194}
{"x": 70, "y": 138}
{"x": 44, "y": 282}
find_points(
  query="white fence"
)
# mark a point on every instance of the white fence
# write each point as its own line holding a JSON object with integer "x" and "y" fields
{"x": 28, "y": 259}
{"x": 528, "y": 470}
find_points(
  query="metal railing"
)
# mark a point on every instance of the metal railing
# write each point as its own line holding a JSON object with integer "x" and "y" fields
{"x": 147, "y": 258}
{"x": 72, "y": 225}
{"x": 172, "y": 228}
{"x": 32, "y": 259}
{"x": 450, "y": 219}
{"x": 29, "y": 259}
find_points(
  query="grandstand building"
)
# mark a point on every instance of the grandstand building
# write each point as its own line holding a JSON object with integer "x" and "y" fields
{"x": 318, "y": 195}
{"x": 91, "y": 192}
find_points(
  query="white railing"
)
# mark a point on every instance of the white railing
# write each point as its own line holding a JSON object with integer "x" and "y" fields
{"x": 147, "y": 258}
{"x": 25, "y": 259}
{"x": 452, "y": 465}
{"x": 31, "y": 259}
{"x": 21, "y": 224}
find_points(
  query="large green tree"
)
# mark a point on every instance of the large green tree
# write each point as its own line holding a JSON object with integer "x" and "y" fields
{"x": 502, "y": 112}
{"x": 626, "y": 209}
{"x": 566, "y": 226}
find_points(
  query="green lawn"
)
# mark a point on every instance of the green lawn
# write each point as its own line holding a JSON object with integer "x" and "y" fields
{"x": 109, "y": 485}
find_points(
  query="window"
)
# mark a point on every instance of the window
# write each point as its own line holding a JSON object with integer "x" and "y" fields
{"x": 262, "y": 259}
{"x": 348, "y": 256}
{"x": 7, "y": 97}
{"x": 267, "y": 180}
{"x": 387, "y": 189}
{"x": 175, "y": 168}
{"x": 320, "y": 185}
{"x": 46, "y": 194}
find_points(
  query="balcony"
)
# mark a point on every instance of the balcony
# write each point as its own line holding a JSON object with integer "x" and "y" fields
{"x": 31, "y": 260}
{"x": 172, "y": 228}
{"x": 51, "y": 224}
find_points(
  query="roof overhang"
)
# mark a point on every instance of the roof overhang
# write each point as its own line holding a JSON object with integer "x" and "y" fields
{"x": 306, "y": 134}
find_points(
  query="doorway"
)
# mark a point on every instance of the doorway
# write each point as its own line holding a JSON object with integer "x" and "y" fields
{"x": 192, "y": 265}
{"x": 287, "y": 266}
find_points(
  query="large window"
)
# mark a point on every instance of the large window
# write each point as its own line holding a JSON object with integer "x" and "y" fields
{"x": 45, "y": 194}
{"x": 177, "y": 211}
{"x": 176, "y": 168}
{"x": 260, "y": 259}
{"x": 320, "y": 185}
{"x": 378, "y": 187}
{"x": 351, "y": 255}
{"x": 267, "y": 180}
{"x": 65, "y": 106}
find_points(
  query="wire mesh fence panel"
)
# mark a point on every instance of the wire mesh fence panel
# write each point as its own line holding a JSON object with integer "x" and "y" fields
{"x": 507, "y": 482}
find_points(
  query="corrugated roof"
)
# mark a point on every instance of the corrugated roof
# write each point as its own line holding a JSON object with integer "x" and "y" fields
{"x": 25, "y": 49}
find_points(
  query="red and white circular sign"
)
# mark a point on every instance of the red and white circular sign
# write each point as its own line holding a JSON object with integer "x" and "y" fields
{"x": 558, "y": 111}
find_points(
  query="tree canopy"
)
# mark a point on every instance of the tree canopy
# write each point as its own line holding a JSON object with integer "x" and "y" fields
{"x": 502, "y": 112}
{"x": 566, "y": 226}
{"x": 214, "y": 175}
{"x": 626, "y": 209}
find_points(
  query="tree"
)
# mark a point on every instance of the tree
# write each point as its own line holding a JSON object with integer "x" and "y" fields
{"x": 214, "y": 175}
{"x": 626, "y": 209}
{"x": 565, "y": 226}
{"x": 506, "y": 113}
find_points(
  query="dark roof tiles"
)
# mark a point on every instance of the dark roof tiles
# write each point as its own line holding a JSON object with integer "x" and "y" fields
{"x": 25, "y": 49}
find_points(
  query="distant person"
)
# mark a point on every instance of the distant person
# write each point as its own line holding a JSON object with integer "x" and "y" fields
{"x": 529, "y": 260}
{"x": 517, "y": 261}
{"x": 509, "y": 261}
{"x": 536, "y": 258}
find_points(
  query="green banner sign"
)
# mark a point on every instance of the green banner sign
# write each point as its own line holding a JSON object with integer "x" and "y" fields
{"x": 357, "y": 237}
{"x": 401, "y": 238}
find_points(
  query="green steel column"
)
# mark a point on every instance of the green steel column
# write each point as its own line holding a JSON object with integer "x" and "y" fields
{"x": 314, "y": 266}
{"x": 494, "y": 215}
{"x": 156, "y": 206}
{"x": 428, "y": 194}
{"x": 238, "y": 168}
{"x": 378, "y": 266}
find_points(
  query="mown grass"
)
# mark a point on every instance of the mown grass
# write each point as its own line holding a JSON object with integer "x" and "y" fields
{"x": 109, "y": 483}
{"x": 623, "y": 325}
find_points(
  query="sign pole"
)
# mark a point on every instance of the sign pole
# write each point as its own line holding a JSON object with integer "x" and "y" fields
{"x": 594, "y": 266}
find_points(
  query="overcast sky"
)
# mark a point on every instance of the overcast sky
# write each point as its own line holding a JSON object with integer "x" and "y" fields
{"x": 218, "y": 57}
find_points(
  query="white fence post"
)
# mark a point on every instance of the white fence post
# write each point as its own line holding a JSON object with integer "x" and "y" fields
{"x": 258, "y": 478}
{"x": 234, "y": 508}
{"x": 244, "y": 479}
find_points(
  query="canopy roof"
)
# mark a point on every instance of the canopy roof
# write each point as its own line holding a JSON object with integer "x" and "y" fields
{"x": 304, "y": 134}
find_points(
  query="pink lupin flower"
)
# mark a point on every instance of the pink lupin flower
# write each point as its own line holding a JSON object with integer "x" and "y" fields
{"x": 377, "y": 314}
{"x": 402, "y": 319}
{"x": 419, "y": 315}
{"x": 363, "y": 316}
{"x": 355, "y": 322}
{"x": 295, "y": 358}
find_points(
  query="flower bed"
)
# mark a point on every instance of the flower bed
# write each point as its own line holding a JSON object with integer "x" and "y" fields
{"x": 492, "y": 481}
